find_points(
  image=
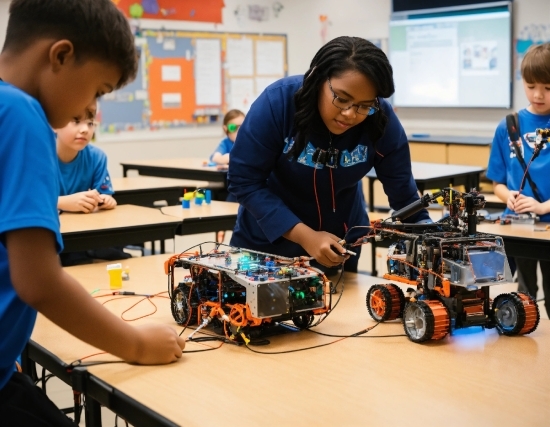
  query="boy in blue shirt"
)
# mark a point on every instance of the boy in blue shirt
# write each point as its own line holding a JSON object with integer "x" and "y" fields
{"x": 506, "y": 171}
{"x": 85, "y": 183}
{"x": 58, "y": 57}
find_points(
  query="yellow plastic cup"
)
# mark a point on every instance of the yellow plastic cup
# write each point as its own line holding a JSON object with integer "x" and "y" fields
{"x": 115, "y": 275}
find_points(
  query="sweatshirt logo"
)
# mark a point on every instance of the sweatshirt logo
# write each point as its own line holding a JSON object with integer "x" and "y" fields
{"x": 358, "y": 155}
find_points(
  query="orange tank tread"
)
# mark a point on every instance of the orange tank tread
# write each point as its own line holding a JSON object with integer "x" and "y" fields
{"x": 441, "y": 319}
{"x": 530, "y": 313}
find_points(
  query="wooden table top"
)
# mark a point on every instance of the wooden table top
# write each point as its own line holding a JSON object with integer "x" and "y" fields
{"x": 428, "y": 171}
{"x": 123, "y": 216}
{"x": 213, "y": 209}
{"x": 142, "y": 182}
{"x": 474, "y": 377}
{"x": 177, "y": 163}
{"x": 532, "y": 232}
{"x": 450, "y": 139}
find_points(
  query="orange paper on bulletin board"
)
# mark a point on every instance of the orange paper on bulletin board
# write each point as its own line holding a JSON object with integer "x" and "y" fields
{"x": 181, "y": 10}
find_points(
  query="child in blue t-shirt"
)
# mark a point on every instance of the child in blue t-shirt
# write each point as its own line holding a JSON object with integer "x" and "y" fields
{"x": 506, "y": 171}
{"x": 58, "y": 57}
{"x": 232, "y": 121}
{"x": 85, "y": 184}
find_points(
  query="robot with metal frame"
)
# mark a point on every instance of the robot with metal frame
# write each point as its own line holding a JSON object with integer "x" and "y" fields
{"x": 246, "y": 293}
{"x": 450, "y": 268}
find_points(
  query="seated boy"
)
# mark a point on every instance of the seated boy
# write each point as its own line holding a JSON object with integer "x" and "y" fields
{"x": 85, "y": 184}
{"x": 58, "y": 56}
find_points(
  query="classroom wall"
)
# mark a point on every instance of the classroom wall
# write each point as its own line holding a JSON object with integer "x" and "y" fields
{"x": 300, "y": 20}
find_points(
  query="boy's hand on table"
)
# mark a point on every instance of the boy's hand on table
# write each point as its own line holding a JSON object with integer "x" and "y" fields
{"x": 158, "y": 344}
{"x": 84, "y": 201}
{"x": 107, "y": 202}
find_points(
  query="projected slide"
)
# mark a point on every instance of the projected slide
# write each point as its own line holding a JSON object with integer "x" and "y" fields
{"x": 460, "y": 59}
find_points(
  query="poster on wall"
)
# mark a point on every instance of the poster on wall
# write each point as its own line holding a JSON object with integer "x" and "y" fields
{"x": 181, "y": 10}
{"x": 188, "y": 78}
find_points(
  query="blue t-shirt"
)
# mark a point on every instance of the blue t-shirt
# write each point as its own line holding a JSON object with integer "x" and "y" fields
{"x": 29, "y": 182}
{"x": 225, "y": 147}
{"x": 276, "y": 193}
{"x": 505, "y": 168}
{"x": 87, "y": 171}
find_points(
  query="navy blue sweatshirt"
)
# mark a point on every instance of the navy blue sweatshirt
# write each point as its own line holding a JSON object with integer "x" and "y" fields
{"x": 276, "y": 192}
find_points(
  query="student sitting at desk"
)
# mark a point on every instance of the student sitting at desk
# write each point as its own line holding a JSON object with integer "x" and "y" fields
{"x": 85, "y": 184}
{"x": 232, "y": 121}
{"x": 58, "y": 56}
{"x": 304, "y": 147}
{"x": 507, "y": 172}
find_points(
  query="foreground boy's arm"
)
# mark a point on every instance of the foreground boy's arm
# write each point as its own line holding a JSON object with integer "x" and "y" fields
{"x": 50, "y": 290}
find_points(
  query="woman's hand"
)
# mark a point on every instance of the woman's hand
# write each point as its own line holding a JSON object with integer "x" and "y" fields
{"x": 322, "y": 246}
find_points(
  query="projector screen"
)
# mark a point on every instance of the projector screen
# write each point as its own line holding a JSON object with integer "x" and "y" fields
{"x": 453, "y": 57}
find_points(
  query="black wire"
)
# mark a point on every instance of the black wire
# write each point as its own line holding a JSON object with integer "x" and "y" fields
{"x": 199, "y": 351}
{"x": 290, "y": 351}
{"x": 357, "y": 334}
{"x": 78, "y": 363}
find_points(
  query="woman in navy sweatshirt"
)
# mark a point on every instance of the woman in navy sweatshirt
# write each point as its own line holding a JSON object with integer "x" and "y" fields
{"x": 305, "y": 145}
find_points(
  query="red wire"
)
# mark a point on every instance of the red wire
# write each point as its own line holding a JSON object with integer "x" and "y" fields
{"x": 316, "y": 197}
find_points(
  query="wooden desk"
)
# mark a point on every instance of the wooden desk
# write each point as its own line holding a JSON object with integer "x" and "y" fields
{"x": 146, "y": 190}
{"x": 521, "y": 240}
{"x": 493, "y": 202}
{"x": 204, "y": 218}
{"x": 183, "y": 168}
{"x": 472, "y": 378}
{"x": 124, "y": 225}
{"x": 463, "y": 150}
{"x": 432, "y": 175}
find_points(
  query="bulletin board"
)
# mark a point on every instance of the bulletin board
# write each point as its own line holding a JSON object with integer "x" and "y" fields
{"x": 193, "y": 78}
{"x": 181, "y": 10}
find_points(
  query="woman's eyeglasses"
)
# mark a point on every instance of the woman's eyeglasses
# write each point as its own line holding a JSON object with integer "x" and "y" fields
{"x": 232, "y": 127}
{"x": 344, "y": 104}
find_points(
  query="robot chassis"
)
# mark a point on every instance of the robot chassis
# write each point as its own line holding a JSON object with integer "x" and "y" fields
{"x": 449, "y": 267}
{"x": 245, "y": 293}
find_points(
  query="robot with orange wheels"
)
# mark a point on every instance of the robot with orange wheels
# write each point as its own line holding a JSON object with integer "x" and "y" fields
{"x": 245, "y": 293}
{"x": 448, "y": 268}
